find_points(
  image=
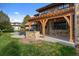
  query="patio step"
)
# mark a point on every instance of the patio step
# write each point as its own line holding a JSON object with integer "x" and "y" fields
{"x": 52, "y": 39}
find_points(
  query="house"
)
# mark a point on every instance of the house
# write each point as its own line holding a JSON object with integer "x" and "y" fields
{"x": 16, "y": 26}
{"x": 56, "y": 19}
{"x": 29, "y": 26}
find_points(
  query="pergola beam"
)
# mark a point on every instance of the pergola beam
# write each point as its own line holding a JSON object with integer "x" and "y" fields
{"x": 67, "y": 19}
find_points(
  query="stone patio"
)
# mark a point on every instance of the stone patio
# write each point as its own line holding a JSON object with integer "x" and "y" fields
{"x": 36, "y": 36}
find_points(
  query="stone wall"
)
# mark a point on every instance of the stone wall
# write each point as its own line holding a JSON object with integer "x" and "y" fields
{"x": 59, "y": 33}
{"x": 33, "y": 35}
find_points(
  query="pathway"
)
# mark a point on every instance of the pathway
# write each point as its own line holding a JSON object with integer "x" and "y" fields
{"x": 16, "y": 35}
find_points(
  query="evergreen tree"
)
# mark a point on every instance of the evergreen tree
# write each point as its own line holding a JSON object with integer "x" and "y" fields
{"x": 25, "y": 20}
{"x": 5, "y": 24}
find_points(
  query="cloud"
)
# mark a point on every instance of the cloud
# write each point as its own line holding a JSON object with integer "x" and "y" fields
{"x": 16, "y": 13}
{"x": 17, "y": 18}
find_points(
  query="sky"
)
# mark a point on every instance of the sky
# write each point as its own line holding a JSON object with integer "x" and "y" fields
{"x": 17, "y": 11}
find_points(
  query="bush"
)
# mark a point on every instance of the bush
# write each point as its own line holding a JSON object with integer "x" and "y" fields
{"x": 0, "y": 32}
{"x": 5, "y": 23}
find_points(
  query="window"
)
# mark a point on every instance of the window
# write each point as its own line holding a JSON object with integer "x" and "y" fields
{"x": 42, "y": 12}
{"x": 63, "y": 6}
{"x": 66, "y": 5}
{"x": 59, "y": 25}
{"x": 60, "y": 7}
{"x": 51, "y": 10}
{"x": 46, "y": 11}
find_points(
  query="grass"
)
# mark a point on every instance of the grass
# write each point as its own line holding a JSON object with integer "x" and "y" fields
{"x": 13, "y": 47}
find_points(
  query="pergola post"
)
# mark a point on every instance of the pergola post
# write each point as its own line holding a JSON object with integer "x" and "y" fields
{"x": 71, "y": 29}
{"x": 30, "y": 23}
{"x": 70, "y": 23}
{"x": 43, "y": 29}
{"x": 43, "y": 23}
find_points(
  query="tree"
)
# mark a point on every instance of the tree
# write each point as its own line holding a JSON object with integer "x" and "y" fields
{"x": 5, "y": 24}
{"x": 25, "y": 20}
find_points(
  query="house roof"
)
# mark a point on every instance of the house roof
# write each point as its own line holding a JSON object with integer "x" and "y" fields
{"x": 15, "y": 23}
{"x": 48, "y": 6}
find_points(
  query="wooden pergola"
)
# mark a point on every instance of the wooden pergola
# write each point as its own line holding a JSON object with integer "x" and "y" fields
{"x": 66, "y": 14}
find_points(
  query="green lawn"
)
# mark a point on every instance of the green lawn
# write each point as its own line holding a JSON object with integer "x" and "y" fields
{"x": 13, "y": 47}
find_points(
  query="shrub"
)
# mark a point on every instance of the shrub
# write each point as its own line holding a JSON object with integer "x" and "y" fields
{"x": 0, "y": 32}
